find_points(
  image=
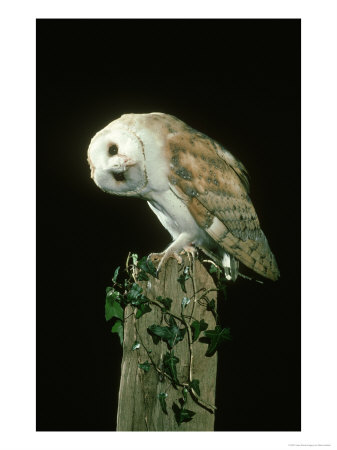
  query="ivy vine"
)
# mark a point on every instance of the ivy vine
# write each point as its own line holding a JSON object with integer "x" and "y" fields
{"x": 126, "y": 290}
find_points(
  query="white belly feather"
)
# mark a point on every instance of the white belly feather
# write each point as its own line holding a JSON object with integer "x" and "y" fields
{"x": 175, "y": 216}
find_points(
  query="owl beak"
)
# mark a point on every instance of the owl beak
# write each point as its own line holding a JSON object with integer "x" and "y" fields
{"x": 121, "y": 163}
{"x": 129, "y": 162}
{"x": 120, "y": 166}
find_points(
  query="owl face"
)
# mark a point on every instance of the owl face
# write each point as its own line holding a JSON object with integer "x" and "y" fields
{"x": 116, "y": 159}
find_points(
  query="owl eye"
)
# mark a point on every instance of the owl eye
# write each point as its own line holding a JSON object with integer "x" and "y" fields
{"x": 113, "y": 149}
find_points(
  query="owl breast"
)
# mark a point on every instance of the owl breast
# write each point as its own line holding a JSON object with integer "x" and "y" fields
{"x": 175, "y": 216}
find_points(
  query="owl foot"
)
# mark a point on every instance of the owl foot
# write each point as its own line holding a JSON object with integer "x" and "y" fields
{"x": 189, "y": 250}
{"x": 183, "y": 241}
{"x": 163, "y": 257}
{"x": 155, "y": 257}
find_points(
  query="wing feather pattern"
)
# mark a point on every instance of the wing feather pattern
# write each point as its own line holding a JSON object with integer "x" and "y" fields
{"x": 215, "y": 187}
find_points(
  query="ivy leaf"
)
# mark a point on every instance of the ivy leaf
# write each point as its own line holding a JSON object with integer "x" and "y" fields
{"x": 181, "y": 414}
{"x": 213, "y": 269}
{"x": 172, "y": 334}
{"x": 216, "y": 336}
{"x": 194, "y": 384}
{"x": 185, "y": 392}
{"x": 114, "y": 278}
{"x": 162, "y": 400}
{"x": 155, "y": 339}
{"x": 134, "y": 294}
{"x": 147, "y": 266}
{"x": 145, "y": 366}
{"x": 197, "y": 327}
{"x": 112, "y": 294}
{"x": 177, "y": 334}
{"x": 211, "y": 305}
{"x": 112, "y": 307}
{"x": 136, "y": 345}
{"x": 184, "y": 277}
{"x": 142, "y": 276}
{"x": 170, "y": 361}
{"x": 185, "y": 302}
{"x": 143, "y": 308}
{"x": 161, "y": 332}
{"x": 167, "y": 302}
{"x": 118, "y": 328}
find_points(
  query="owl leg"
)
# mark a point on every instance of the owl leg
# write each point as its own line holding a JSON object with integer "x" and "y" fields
{"x": 157, "y": 257}
{"x": 183, "y": 241}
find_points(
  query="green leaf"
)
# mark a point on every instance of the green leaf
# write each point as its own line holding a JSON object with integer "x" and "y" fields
{"x": 162, "y": 332}
{"x": 211, "y": 305}
{"x": 145, "y": 366}
{"x": 177, "y": 334}
{"x": 118, "y": 328}
{"x": 147, "y": 266}
{"x": 170, "y": 361}
{"x": 136, "y": 345}
{"x": 114, "y": 278}
{"x": 181, "y": 414}
{"x": 162, "y": 400}
{"x": 185, "y": 302}
{"x": 142, "y": 276}
{"x": 156, "y": 339}
{"x": 112, "y": 294}
{"x": 197, "y": 327}
{"x": 185, "y": 392}
{"x": 172, "y": 334}
{"x": 167, "y": 302}
{"x": 184, "y": 277}
{"x": 134, "y": 294}
{"x": 112, "y": 307}
{"x": 216, "y": 336}
{"x": 181, "y": 280}
{"x": 213, "y": 269}
{"x": 143, "y": 308}
{"x": 194, "y": 384}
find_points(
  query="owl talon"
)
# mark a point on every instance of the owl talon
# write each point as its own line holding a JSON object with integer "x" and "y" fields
{"x": 189, "y": 250}
{"x": 155, "y": 257}
{"x": 168, "y": 255}
{"x": 178, "y": 258}
{"x": 163, "y": 257}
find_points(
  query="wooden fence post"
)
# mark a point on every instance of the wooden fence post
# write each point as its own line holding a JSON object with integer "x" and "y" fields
{"x": 139, "y": 408}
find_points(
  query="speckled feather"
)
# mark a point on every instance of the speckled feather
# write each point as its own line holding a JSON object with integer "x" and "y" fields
{"x": 217, "y": 187}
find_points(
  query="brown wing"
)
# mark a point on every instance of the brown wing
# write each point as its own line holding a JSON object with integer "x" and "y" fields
{"x": 214, "y": 185}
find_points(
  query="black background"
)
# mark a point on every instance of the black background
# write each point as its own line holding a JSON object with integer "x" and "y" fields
{"x": 237, "y": 81}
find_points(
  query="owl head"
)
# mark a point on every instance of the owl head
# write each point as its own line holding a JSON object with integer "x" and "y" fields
{"x": 116, "y": 159}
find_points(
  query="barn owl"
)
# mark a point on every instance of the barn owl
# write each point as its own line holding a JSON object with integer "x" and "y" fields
{"x": 197, "y": 189}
